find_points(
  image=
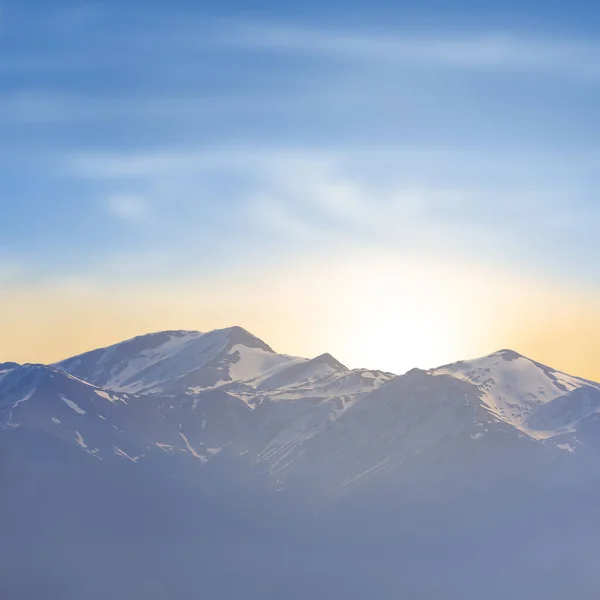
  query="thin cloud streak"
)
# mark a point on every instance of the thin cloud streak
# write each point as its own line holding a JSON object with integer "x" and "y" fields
{"x": 128, "y": 206}
{"x": 464, "y": 51}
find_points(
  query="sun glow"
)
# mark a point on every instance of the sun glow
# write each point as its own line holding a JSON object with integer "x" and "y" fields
{"x": 381, "y": 311}
{"x": 401, "y": 315}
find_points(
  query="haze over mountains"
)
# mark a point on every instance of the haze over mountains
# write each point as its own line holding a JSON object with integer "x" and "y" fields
{"x": 186, "y": 465}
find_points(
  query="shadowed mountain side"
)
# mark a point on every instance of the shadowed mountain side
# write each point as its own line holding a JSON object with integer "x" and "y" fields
{"x": 295, "y": 478}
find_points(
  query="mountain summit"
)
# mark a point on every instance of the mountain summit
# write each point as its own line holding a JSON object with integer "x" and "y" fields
{"x": 173, "y": 361}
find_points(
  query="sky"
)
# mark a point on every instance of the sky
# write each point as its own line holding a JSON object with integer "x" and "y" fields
{"x": 398, "y": 183}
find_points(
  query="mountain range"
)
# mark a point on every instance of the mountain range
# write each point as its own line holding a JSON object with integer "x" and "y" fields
{"x": 185, "y": 465}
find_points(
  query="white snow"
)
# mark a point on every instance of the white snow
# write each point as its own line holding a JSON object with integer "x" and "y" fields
{"x": 567, "y": 447}
{"x": 4, "y": 372}
{"x": 192, "y": 450}
{"x": 108, "y": 397}
{"x": 81, "y": 442}
{"x": 24, "y": 398}
{"x": 79, "y": 439}
{"x": 255, "y": 362}
{"x": 165, "y": 447}
{"x": 73, "y": 405}
{"x": 374, "y": 470}
{"x": 119, "y": 452}
{"x": 82, "y": 381}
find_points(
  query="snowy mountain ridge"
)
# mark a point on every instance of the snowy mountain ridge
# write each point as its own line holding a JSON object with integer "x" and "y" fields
{"x": 227, "y": 395}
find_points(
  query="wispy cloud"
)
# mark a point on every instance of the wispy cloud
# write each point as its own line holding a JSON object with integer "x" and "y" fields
{"x": 468, "y": 50}
{"x": 327, "y": 200}
{"x": 128, "y": 206}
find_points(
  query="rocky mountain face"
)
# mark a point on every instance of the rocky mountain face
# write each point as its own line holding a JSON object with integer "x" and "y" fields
{"x": 183, "y": 464}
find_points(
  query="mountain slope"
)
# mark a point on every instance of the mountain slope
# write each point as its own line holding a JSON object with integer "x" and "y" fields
{"x": 518, "y": 391}
{"x": 181, "y": 461}
{"x": 309, "y": 422}
{"x": 175, "y": 362}
{"x": 100, "y": 423}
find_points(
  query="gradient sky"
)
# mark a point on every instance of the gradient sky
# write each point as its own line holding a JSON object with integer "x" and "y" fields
{"x": 401, "y": 184}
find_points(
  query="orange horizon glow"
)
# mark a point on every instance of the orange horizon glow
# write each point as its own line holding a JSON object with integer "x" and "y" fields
{"x": 379, "y": 312}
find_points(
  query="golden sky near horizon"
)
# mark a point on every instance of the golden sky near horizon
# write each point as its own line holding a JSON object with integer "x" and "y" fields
{"x": 380, "y": 312}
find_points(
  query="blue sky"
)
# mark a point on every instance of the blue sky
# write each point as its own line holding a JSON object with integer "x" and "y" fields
{"x": 151, "y": 141}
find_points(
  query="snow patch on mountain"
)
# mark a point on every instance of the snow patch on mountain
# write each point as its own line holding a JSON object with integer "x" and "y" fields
{"x": 255, "y": 362}
{"x": 73, "y": 405}
{"x": 119, "y": 452}
{"x": 109, "y": 397}
{"x": 191, "y": 449}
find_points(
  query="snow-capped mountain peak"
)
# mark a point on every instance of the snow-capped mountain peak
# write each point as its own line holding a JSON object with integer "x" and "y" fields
{"x": 172, "y": 362}
{"x": 513, "y": 387}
